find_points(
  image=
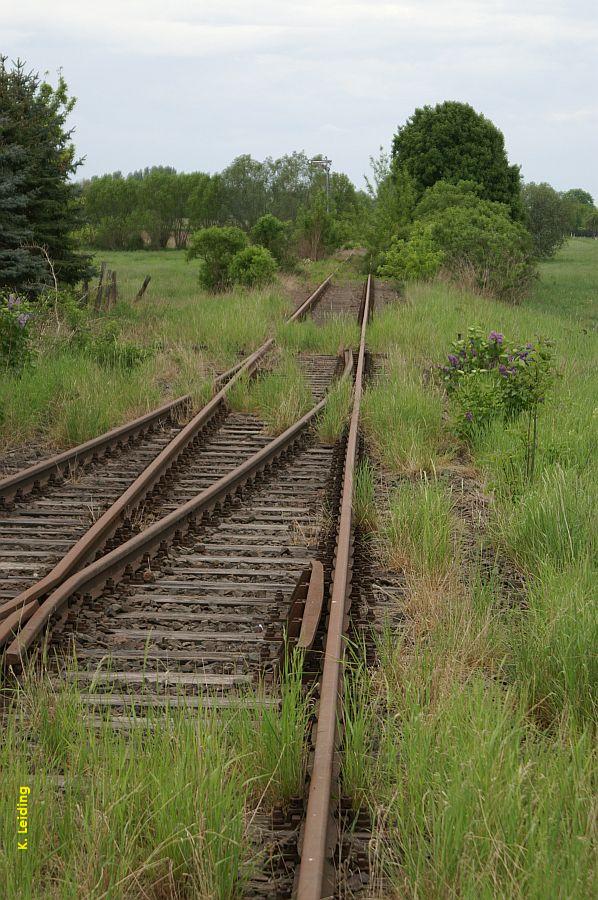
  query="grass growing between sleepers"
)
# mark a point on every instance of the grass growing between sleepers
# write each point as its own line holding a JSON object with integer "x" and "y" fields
{"x": 164, "y": 808}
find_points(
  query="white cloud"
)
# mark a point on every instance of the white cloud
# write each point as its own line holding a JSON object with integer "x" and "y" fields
{"x": 194, "y": 82}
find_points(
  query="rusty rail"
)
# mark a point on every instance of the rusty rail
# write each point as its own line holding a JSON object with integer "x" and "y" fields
{"x": 95, "y": 538}
{"x": 315, "y": 877}
{"x": 130, "y": 555}
{"x": 22, "y": 483}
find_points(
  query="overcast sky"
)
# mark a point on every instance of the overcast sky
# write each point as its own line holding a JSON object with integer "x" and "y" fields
{"x": 193, "y": 84}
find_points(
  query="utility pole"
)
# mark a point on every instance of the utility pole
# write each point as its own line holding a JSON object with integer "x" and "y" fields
{"x": 324, "y": 164}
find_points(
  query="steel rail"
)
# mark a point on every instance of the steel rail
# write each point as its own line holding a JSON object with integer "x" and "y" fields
{"x": 131, "y": 554}
{"x": 316, "y": 872}
{"x": 104, "y": 527}
{"x": 23, "y": 482}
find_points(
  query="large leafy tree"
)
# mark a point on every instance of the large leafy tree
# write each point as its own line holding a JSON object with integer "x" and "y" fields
{"x": 452, "y": 142}
{"x": 40, "y": 205}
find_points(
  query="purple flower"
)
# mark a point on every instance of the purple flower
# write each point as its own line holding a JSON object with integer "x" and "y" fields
{"x": 474, "y": 352}
{"x": 23, "y": 319}
{"x": 13, "y": 300}
{"x": 529, "y": 346}
{"x": 469, "y": 416}
{"x": 503, "y": 371}
{"x": 453, "y": 360}
{"x": 496, "y": 336}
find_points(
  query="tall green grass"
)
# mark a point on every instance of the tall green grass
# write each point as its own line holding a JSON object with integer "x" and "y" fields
{"x": 279, "y": 397}
{"x": 335, "y": 416}
{"x": 417, "y": 529}
{"x": 163, "y": 809}
{"x": 474, "y": 740}
{"x": 402, "y": 420}
{"x": 338, "y": 332}
{"x": 471, "y": 800}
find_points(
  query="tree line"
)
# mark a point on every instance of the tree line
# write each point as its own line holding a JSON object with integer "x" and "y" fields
{"x": 444, "y": 199}
{"x": 159, "y": 207}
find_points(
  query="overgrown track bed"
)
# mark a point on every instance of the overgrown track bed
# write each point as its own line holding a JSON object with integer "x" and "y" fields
{"x": 22, "y": 601}
{"x": 208, "y": 618}
{"x": 191, "y": 603}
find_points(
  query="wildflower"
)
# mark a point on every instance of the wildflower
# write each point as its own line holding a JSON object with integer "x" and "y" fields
{"x": 503, "y": 371}
{"x": 13, "y": 300}
{"x": 454, "y": 361}
{"x": 23, "y": 319}
{"x": 496, "y": 336}
{"x": 469, "y": 415}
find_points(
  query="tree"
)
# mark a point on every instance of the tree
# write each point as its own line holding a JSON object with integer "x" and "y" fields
{"x": 18, "y": 267}
{"x": 316, "y": 227}
{"x": 216, "y": 247}
{"x": 391, "y": 202}
{"x": 579, "y": 204}
{"x": 546, "y": 218}
{"x": 245, "y": 190}
{"x": 33, "y": 126}
{"x": 112, "y": 212}
{"x": 206, "y": 201}
{"x": 452, "y": 142}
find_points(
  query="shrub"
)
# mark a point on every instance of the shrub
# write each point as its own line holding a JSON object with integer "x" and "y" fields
{"x": 273, "y": 234}
{"x": 417, "y": 259}
{"x": 15, "y": 341}
{"x": 252, "y": 267}
{"x": 473, "y": 241}
{"x": 485, "y": 249}
{"x": 486, "y": 378}
{"x": 215, "y": 247}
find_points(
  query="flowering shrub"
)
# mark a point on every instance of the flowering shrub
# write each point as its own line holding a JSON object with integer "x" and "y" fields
{"x": 15, "y": 340}
{"x": 487, "y": 378}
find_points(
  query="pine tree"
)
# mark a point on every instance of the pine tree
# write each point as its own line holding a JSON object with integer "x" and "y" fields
{"x": 39, "y": 206}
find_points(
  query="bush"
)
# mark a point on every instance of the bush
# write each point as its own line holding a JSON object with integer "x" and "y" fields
{"x": 215, "y": 247}
{"x": 15, "y": 343}
{"x": 473, "y": 241}
{"x": 254, "y": 266}
{"x": 486, "y": 378}
{"x": 417, "y": 259}
{"x": 274, "y": 235}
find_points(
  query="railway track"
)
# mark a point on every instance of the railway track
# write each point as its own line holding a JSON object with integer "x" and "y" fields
{"x": 200, "y": 580}
{"x": 48, "y": 537}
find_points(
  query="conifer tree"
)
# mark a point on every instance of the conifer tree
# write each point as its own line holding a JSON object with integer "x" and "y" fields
{"x": 39, "y": 205}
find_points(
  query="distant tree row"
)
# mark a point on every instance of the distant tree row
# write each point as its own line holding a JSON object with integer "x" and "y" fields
{"x": 158, "y": 206}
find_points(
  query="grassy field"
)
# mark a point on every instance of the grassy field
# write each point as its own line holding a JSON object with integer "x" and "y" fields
{"x": 483, "y": 766}
{"x": 180, "y": 335}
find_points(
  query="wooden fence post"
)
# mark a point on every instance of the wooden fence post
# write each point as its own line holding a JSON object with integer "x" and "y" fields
{"x": 143, "y": 287}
